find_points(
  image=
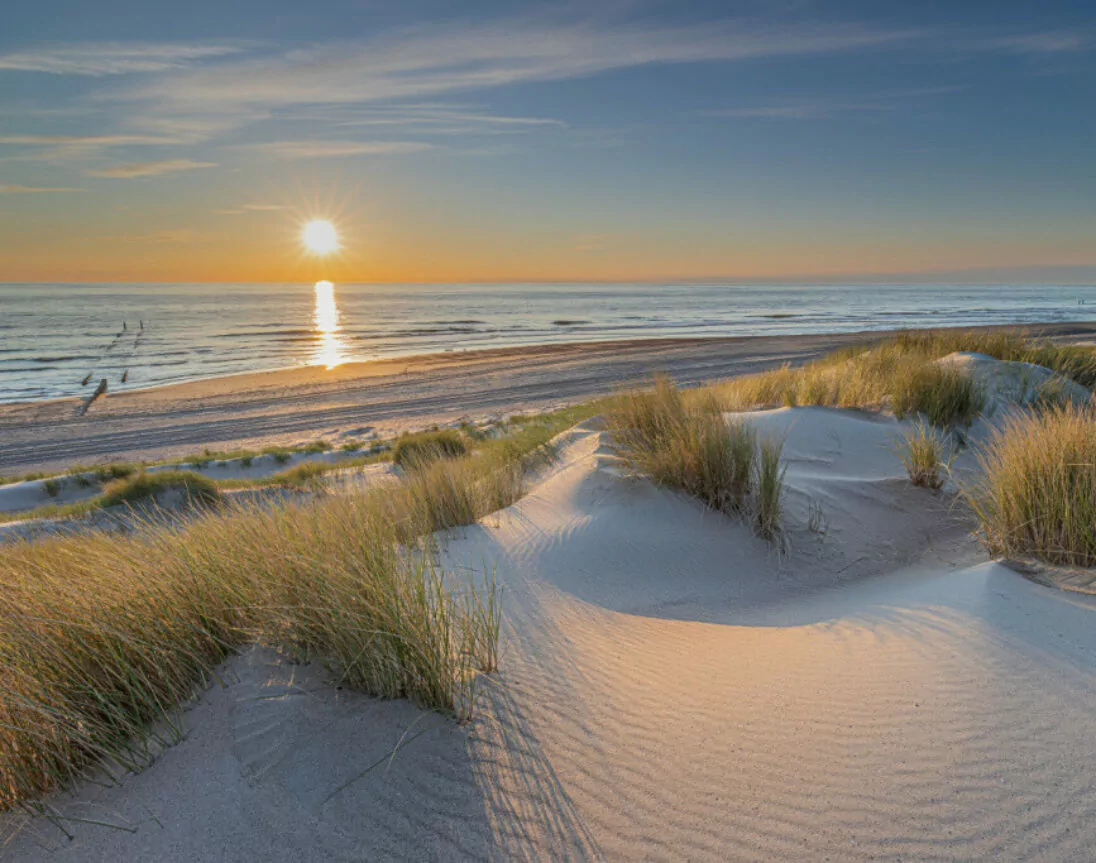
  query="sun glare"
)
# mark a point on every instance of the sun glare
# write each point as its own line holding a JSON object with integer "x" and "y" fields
{"x": 320, "y": 237}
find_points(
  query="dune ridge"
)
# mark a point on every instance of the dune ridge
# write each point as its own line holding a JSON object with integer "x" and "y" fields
{"x": 669, "y": 688}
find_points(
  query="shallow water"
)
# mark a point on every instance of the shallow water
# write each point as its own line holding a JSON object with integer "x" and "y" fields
{"x": 53, "y": 336}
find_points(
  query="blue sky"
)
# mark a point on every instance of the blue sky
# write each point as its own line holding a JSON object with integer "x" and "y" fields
{"x": 484, "y": 141}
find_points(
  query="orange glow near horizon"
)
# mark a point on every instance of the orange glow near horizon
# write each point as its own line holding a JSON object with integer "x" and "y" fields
{"x": 325, "y": 318}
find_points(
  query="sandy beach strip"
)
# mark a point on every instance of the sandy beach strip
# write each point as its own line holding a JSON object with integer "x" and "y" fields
{"x": 293, "y": 405}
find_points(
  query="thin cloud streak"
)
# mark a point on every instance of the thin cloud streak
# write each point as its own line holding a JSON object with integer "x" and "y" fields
{"x": 9, "y": 189}
{"x": 1047, "y": 42}
{"x": 61, "y": 148}
{"x": 84, "y": 140}
{"x": 423, "y": 63}
{"x": 148, "y": 169}
{"x": 335, "y": 149}
{"x": 430, "y": 118}
{"x": 112, "y": 58}
{"x": 824, "y": 108}
{"x": 250, "y": 208}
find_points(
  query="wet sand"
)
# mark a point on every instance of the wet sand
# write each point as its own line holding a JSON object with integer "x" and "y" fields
{"x": 302, "y": 404}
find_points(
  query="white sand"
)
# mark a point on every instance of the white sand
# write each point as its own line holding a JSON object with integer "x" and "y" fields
{"x": 669, "y": 690}
{"x": 1008, "y": 383}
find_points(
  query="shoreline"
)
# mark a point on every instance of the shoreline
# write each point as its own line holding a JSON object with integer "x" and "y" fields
{"x": 286, "y": 406}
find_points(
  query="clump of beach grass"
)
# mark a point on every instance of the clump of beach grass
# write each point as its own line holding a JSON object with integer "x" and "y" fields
{"x": 1037, "y": 493}
{"x": 923, "y": 451}
{"x": 428, "y": 446}
{"x": 770, "y": 488}
{"x": 304, "y": 475}
{"x": 449, "y": 493}
{"x": 882, "y": 377}
{"x": 146, "y": 486}
{"x": 103, "y": 635}
{"x": 1078, "y": 363}
{"x": 680, "y": 440}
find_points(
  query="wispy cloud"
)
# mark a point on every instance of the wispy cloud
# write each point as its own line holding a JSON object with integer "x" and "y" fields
{"x": 399, "y": 84}
{"x": 71, "y": 147}
{"x": 9, "y": 189}
{"x": 426, "y": 118}
{"x": 149, "y": 169}
{"x": 250, "y": 208}
{"x": 331, "y": 149}
{"x": 1046, "y": 42}
{"x": 424, "y": 62}
{"x": 83, "y": 140}
{"x": 825, "y": 108}
{"x": 112, "y": 58}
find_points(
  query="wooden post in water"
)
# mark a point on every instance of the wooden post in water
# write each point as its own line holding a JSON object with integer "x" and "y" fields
{"x": 99, "y": 390}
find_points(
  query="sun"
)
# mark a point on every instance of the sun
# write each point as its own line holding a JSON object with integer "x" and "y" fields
{"x": 320, "y": 237}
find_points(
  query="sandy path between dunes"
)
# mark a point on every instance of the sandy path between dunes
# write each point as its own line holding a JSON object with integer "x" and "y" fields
{"x": 669, "y": 690}
{"x": 390, "y": 395}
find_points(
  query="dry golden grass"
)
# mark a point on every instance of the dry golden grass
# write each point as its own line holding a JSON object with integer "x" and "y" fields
{"x": 103, "y": 635}
{"x": 883, "y": 377}
{"x": 923, "y": 451}
{"x": 900, "y": 373}
{"x": 143, "y": 487}
{"x": 1037, "y": 493}
{"x": 681, "y": 440}
{"x": 770, "y": 488}
{"x": 412, "y": 449}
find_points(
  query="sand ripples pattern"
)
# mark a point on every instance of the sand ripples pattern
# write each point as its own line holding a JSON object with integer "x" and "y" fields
{"x": 669, "y": 689}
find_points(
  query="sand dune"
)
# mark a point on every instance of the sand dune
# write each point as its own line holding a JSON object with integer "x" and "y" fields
{"x": 669, "y": 689}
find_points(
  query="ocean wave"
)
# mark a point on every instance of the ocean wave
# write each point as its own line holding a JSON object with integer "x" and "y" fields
{"x": 460, "y": 322}
{"x": 430, "y": 331}
{"x": 565, "y": 322}
{"x": 295, "y": 332}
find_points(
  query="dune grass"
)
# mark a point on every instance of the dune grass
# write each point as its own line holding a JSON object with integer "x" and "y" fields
{"x": 143, "y": 486}
{"x": 1075, "y": 362}
{"x": 900, "y": 373}
{"x": 421, "y": 447}
{"x": 522, "y": 440}
{"x": 680, "y": 440}
{"x": 770, "y": 488}
{"x": 923, "y": 451}
{"x": 103, "y": 635}
{"x": 887, "y": 375}
{"x": 1037, "y": 493}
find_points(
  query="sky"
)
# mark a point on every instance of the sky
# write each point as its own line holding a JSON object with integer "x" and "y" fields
{"x": 489, "y": 141}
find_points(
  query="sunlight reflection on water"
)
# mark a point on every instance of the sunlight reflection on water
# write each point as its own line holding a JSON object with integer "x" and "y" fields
{"x": 329, "y": 351}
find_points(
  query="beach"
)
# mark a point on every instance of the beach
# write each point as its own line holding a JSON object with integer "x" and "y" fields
{"x": 624, "y": 431}
{"x": 388, "y": 396}
{"x": 669, "y": 688}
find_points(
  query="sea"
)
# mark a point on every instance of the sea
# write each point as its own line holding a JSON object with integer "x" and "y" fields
{"x": 58, "y": 340}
